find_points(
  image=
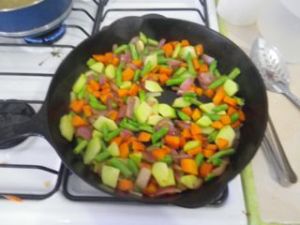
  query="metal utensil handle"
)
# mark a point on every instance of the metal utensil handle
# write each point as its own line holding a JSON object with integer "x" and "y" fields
{"x": 294, "y": 99}
{"x": 279, "y": 153}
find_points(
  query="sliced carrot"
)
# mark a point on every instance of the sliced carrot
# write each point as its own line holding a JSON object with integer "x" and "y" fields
{"x": 185, "y": 43}
{"x": 231, "y": 110}
{"x": 94, "y": 85}
{"x": 205, "y": 169}
{"x": 230, "y": 101}
{"x": 137, "y": 62}
{"x": 194, "y": 151}
{"x": 236, "y": 124}
{"x": 189, "y": 166}
{"x": 186, "y": 133}
{"x": 77, "y": 121}
{"x": 151, "y": 188}
{"x": 103, "y": 97}
{"x": 87, "y": 110}
{"x": 144, "y": 137}
{"x": 113, "y": 114}
{"x": 77, "y": 105}
{"x": 127, "y": 74}
{"x": 222, "y": 143}
{"x": 97, "y": 94}
{"x": 196, "y": 114}
{"x": 199, "y": 91}
{"x": 195, "y": 129}
{"x": 13, "y": 198}
{"x": 115, "y": 61}
{"x": 108, "y": 57}
{"x": 196, "y": 63}
{"x": 212, "y": 147}
{"x": 209, "y": 93}
{"x": 122, "y": 92}
{"x": 219, "y": 96}
{"x": 199, "y": 49}
{"x": 168, "y": 49}
{"x": 134, "y": 89}
{"x": 203, "y": 68}
{"x": 225, "y": 119}
{"x": 163, "y": 78}
{"x": 217, "y": 125}
{"x": 125, "y": 185}
{"x": 100, "y": 58}
{"x": 172, "y": 141}
{"x": 242, "y": 116}
{"x": 117, "y": 140}
{"x": 187, "y": 110}
{"x": 159, "y": 153}
{"x": 208, "y": 152}
{"x": 182, "y": 141}
{"x": 165, "y": 70}
{"x": 138, "y": 146}
{"x": 124, "y": 150}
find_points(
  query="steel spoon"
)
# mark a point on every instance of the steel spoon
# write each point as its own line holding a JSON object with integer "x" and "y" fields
{"x": 273, "y": 69}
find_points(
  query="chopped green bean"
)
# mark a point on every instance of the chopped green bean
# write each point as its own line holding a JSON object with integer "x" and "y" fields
{"x": 220, "y": 108}
{"x": 80, "y": 146}
{"x": 142, "y": 95}
{"x": 159, "y": 134}
{"x": 212, "y": 137}
{"x": 199, "y": 159}
{"x": 176, "y": 51}
{"x": 216, "y": 161}
{"x": 183, "y": 116}
{"x": 152, "y": 42}
{"x": 167, "y": 159}
{"x": 136, "y": 76}
{"x": 213, "y": 66}
{"x": 111, "y": 135}
{"x": 143, "y": 38}
{"x": 179, "y": 71}
{"x": 147, "y": 68}
{"x": 133, "y": 52}
{"x": 234, "y": 117}
{"x": 119, "y": 164}
{"x": 221, "y": 154}
{"x": 146, "y": 127}
{"x": 209, "y": 177}
{"x": 120, "y": 49}
{"x": 213, "y": 116}
{"x": 95, "y": 103}
{"x": 234, "y": 73}
{"x": 217, "y": 73}
{"x": 189, "y": 61}
{"x": 218, "y": 82}
{"x": 175, "y": 81}
{"x": 132, "y": 166}
{"x": 102, "y": 156}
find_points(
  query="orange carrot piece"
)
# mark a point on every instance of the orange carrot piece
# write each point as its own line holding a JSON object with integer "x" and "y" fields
{"x": 208, "y": 152}
{"x": 87, "y": 110}
{"x": 144, "y": 137}
{"x": 172, "y": 141}
{"x": 209, "y": 93}
{"x": 222, "y": 143}
{"x": 133, "y": 90}
{"x": 97, "y": 94}
{"x": 203, "y": 68}
{"x": 182, "y": 142}
{"x": 127, "y": 74}
{"x": 242, "y": 116}
{"x": 137, "y": 146}
{"x": 159, "y": 153}
{"x": 205, "y": 169}
{"x": 117, "y": 140}
{"x": 122, "y": 92}
{"x": 196, "y": 63}
{"x": 225, "y": 119}
{"x": 212, "y": 147}
{"x": 194, "y": 151}
{"x": 137, "y": 62}
{"x": 231, "y": 110}
{"x": 103, "y": 98}
{"x": 109, "y": 57}
{"x": 199, "y": 91}
{"x": 199, "y": 49}
{"x": 115, "y": 61}
{"x": 94, "y": 85}
{"x": 150, "y": 189}
{"x": 236, "y": 124}
{"x": 186, "y": 133}
{"x": 196, "y": 114}
{"x": 219, "y": 96}
{"x": 77, "y": 105}
{"x": 195, "y": 129}
{"x": 100, "y": 58}
{"x": 113, "y": 115}
{"x": 163, "y": 78}
{"x": 187, "y": 110}
{"x": 189, "y": 166}
{"x": 168, "y": 49}
{"x": 124, "y": 150}
{"x": 185, "y": 43}
{"x": 77, "y": 121}
{"x": 165, "y": 70}
{"x": 230, "y": 101}
{"x": 217, "y": 125}
{"x": 125, "y": 185}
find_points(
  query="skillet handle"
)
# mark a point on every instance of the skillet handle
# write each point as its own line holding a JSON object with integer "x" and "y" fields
{"x": 36, "y": 126}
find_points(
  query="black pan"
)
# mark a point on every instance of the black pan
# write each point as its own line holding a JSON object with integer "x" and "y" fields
{"x": 46, "y": 122}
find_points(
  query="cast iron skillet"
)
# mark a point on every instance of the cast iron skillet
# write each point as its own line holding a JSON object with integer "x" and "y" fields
{"x": 46, "y": 122}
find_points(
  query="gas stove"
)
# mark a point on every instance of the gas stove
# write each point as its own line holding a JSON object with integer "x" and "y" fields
{"x": 32, "y": 174}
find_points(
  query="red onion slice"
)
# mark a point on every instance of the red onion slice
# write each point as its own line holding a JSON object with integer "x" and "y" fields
{"x": 167, "y": 191}
{"x": 84, "y": 132}
{"x": 207, "y": 59}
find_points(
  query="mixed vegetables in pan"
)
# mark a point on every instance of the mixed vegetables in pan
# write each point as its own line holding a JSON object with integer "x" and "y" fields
{"x": 132, "y": 138}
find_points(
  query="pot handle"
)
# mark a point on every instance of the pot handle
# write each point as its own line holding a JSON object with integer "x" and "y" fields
{"x": 36, "y": 126}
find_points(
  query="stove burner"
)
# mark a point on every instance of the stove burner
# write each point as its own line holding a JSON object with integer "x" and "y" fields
{"x": 12, "y": 112}
{"x": 48, "y": 38}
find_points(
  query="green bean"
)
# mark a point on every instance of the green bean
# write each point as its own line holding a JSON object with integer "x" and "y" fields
{"x": 189, "y": 61}
{"x": 190, "y": 95}
{"x": 153, "y": 42}
{"x": 199, "y": 159}
{"x": 179, "y": 71}
{"x": 234, "y": 117}
{"x": 217, "y": 161}
{"x": 213, "y": 117}
{"x": 234, "y": 73}
{"x": 217, "y": 73}
{"x": 133, "y": 52}
{"x": 175, "y": 81}
{"x": 120, "y": 49}
{"x": 213, "y": 66}
{"x": 142, "y": 95}
{"x": 111, "y": 135}
{"x": 102, "y": 156}
{"x": 167, "y": 159}
{"x": 159, "y": 134}
{"x": 119, "y": 74}
{"x": 81, "y": 94}
{"x": 80, "y": 146}
{"x": 95, "y": 103}
{"x": 147, "y": 68}
{"x": 221, "y": 154}
{"x": 176, "y": 50}
{"x": 117, "y": 163}
{"x": 143, "y": 38}
{"x": 132, "y": 166}
{"x": 162, "y": 60}
{"x": 212, "y": 137}
{"x": 183, "y": 116}
{"x": 209, "y": 177}
{"x": 136, "y": 76}
{"x": 220, "y": 108}
{"x": 146, "y": 127}
{"x": 126, "y": 125}
{"x": 159, "y": 52}
{"x": 218, "y": 82}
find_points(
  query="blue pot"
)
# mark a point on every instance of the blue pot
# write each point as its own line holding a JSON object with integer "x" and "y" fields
{"x": 35, "y": 19}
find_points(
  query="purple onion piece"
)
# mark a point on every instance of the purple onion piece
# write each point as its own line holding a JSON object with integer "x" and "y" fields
{"x": 207, "y": 59}
{"x": 161, "y": 42}
{"x": 102, "y": 79}
{"x": 84, "y": 132}
{"x": 167, "y": 191}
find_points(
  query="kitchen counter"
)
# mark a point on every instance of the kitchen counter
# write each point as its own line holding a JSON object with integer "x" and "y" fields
{"x": 276, "y": 204}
